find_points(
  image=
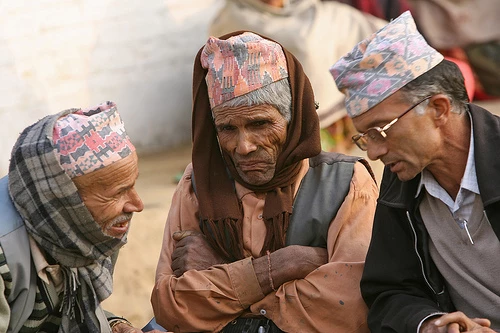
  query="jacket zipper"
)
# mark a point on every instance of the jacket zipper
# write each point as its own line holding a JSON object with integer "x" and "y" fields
{"x": 418, "y": 254}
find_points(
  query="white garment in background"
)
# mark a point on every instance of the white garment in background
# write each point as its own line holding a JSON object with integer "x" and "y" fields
{"x": 317, "y": 33}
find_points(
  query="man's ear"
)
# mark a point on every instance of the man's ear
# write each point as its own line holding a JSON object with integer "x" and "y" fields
{"x": 441, "y": 106}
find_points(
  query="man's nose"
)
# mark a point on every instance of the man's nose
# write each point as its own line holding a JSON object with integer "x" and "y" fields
{"x": 245, "y": 144}
{"x": 375, "y": 150}
{"x": 134, "y": 204}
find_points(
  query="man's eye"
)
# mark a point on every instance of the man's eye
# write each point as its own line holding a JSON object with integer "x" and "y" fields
{"x": 259, "y": 123}
{"x": 373, "y": 135}
{"x": 226, "y": 128}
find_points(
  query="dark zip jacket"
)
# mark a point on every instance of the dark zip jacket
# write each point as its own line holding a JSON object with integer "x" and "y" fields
{"x": 401, "y": 284}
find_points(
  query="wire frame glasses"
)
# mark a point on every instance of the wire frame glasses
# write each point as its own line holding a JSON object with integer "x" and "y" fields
{"x": 378, "y": 134}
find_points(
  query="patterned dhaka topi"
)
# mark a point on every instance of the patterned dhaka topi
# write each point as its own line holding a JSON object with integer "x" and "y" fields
{"x": 87, "y": 140}
{"x": 383, "y": 63}
{"x": 55, "y": 215}
{"x": 240, "y": 64}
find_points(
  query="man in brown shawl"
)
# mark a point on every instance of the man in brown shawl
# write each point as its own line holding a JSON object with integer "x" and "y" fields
{"x": 266, "y": 233}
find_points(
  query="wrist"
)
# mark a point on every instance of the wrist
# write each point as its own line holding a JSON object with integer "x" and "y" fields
{"x": 271, "y": 282}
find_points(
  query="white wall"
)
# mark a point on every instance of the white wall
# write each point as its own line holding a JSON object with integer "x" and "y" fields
{"x": 58, "y": 54}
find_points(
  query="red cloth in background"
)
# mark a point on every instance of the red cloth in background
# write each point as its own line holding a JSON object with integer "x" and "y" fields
{"x": 474, "y": 89}
{"x": 384, "y": 9}
{"x": 469, "y": 79}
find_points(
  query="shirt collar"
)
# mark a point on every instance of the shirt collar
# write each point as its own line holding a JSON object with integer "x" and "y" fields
{"x": 39, "y": 260}
{"x": 469, "y": 179}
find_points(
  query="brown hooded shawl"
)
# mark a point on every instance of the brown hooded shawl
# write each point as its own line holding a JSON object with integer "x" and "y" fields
{"x": 221, "y": 213}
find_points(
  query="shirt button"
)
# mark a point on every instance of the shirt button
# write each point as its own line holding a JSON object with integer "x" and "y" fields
{"x": 263, "y": 312}
{"x": 259, "y": 217}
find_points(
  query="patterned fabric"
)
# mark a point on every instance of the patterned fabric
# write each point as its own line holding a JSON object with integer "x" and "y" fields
{"x": 5, "y": 273}
{"x": 57, "y": 219}
{"x": 39, "y": 320}
{"x": 383, "y": 63}
{"x": 241, "y": 64}
{"x": 87, "y": 140}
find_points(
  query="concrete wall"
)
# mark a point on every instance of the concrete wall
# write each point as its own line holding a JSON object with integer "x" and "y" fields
{"x": 58, "y": 54}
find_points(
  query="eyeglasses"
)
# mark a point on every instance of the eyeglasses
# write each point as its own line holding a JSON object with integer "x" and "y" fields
{"x": 378, "y": 134}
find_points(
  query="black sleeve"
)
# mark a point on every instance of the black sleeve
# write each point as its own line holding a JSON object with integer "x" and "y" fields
{"x": 393, "y": 284}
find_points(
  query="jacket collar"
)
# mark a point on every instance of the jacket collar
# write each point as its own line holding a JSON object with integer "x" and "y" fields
{"x": 398, "y": 194}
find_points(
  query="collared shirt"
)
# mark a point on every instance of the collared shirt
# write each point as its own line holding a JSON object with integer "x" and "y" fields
{"x": 462, "y": 264}
{"x": 50, "y": 274}
{"x": 461, "y": 207}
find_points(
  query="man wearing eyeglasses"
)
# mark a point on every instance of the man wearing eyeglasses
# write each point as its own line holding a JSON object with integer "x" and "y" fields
{"x": 432, "y": 265}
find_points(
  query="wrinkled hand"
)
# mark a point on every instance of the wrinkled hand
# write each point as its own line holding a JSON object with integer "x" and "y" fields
{"x": 303, "y": 259}
{"x": 456, "y": 322}
{"x": 192, "y": 251}
{"x": 288, "y": 263}
{"x": 125, "y": 328}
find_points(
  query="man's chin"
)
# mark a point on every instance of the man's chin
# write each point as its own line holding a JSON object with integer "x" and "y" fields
{"x": 118, "y": 230}
{"x": 256, "y": 178}
{"x": 401, "y": 170}
{"x": 405, "y": 176}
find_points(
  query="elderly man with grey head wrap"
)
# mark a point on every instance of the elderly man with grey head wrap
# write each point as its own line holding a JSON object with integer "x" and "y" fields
{"x": 66, "y": 207}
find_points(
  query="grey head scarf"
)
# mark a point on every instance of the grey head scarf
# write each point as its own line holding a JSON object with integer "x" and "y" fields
{"x": 61, "y": 225}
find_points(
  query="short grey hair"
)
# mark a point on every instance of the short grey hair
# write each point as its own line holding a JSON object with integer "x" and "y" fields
{"x": 277, "y": 94}
{"x": 445, "y": 78}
